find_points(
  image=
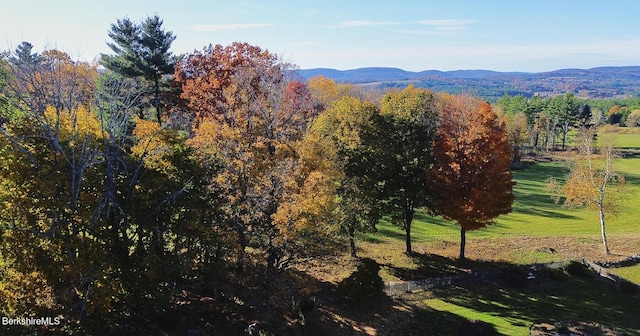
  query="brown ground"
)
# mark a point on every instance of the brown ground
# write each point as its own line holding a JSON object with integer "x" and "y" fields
{"x": 575, "y": 328}
{"x": 528, "y": 250}
{"x": 556, "y": 248}
{"x": 438, "y": 258}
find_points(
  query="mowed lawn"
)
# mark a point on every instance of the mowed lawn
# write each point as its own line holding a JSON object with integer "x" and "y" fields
{"x": 538, "y": 225}
{"x": 628, "y": 138}
{"x": 539, "y": 230}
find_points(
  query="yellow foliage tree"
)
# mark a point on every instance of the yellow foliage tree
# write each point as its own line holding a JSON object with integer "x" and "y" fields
{"x": 517, "y": 132}
{"x": 339, "y": 129}
{"x": 592, "y": 180}
{"x": 246, "y": 119}
{"x": 325, "y": 90}
{"x": 50, "y": 174}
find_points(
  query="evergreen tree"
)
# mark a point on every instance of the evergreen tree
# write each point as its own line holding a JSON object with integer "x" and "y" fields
{"x": 22, "y": 55}
{"x": 585, "y": 117}
{"x": 142, "y": 51}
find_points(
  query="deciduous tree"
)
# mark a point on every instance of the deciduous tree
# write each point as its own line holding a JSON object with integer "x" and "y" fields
{"x": 471, "y": 175}
{"x": 592, "y": 180}
{"x": 404, "y": 139}
{"x": 342, "y": 126}
{"x": 633, "y": 120}
{"x": 246, "y": 121}
{"x": 325, "y": 91}
{"x": 87, "y": 216}
{"x": 50, "y": 79}
{"x": 517, "y": 131}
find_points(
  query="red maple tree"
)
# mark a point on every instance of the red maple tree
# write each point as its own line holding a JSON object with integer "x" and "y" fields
{"x": 471, "y": 173}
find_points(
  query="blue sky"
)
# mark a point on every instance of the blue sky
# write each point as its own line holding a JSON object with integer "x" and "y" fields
{"x": 509, "y": 35}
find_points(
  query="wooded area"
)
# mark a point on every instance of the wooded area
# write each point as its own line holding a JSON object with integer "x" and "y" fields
{"x": 134, "y": 187}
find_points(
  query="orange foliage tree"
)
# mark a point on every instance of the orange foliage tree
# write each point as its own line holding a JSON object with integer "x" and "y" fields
{"x": 471, "y": 175}
{"x": 251, "y": 118}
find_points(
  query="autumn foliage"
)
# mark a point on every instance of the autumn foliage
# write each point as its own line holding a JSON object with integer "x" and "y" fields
{"x": 471, "y": 174}
{"x": 592, "y": 181}
{"x": 111, "y": 218}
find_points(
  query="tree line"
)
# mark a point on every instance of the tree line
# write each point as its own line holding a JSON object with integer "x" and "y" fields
{"x": 545, "y": 124}
{"x": 129, "y": 184}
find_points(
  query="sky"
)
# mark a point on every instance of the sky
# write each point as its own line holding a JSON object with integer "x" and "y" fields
{"x": 508, "y": 35}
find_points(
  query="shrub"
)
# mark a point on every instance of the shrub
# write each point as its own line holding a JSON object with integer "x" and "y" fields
{"x": 555, "y": 274}
{"x": 476, "y": 328}
{"x": 608, "y": 129}
{"x": 365, "y": 283}
{"x": 515, "y": 276}
{"x": 564, "y": 330}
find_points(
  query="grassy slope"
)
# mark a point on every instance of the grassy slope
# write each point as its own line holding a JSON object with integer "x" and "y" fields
{"x": 535, "y": 215}
{"x": 628, "y": 138}
{"x": 536, "y": 226}
{"x": 512, "y": 311}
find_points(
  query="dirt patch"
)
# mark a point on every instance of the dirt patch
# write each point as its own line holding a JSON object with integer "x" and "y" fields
{"x": 545, "y": 249}
{"x": 396, "y": 265}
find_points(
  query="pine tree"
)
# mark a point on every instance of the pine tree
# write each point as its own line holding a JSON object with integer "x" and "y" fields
{"x": 142, "y": 51}
{"x": 23, "y": 55}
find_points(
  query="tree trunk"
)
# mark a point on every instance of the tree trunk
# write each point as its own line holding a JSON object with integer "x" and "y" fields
{"x": 602, "y": 229}
{"x": 270, "y": 281}
{"x": 352, "y": 241}
{"x": 463, "y": 242}
{"x": 156, "y": 100}
{"x": 565, "y": 131}
{"x": 408, "y": 218}
{"x": 407, "y": 229}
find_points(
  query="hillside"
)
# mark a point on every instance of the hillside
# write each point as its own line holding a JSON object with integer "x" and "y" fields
{"x": 602, "y": 82}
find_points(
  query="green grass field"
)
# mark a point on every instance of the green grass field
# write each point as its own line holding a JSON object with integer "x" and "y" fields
{"x": 535, "y": 215}
{"x": 512, "y": 311}
{"x": 631, "y": 273}
{"x": 628, "y": 138}
{"x": 536, "y": 226}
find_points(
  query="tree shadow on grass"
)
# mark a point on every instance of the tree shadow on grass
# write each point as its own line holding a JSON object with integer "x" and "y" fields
{"x": 633, "y": 179}
{"x": 388, "y": 232}
{"x": 399, "y": 316}
{"x": 360, "y": 307}
{"x": 431, "y": 265}
{"x": 536, "y": 204}
{"x": 529, "y": 195}
{"x": 496, "y": 301}
{"x": 577, "y": 299}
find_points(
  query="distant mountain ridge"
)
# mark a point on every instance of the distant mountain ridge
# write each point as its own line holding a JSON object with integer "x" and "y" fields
{"x": 600, "y": 82}
{"x": 377, "y": 74}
